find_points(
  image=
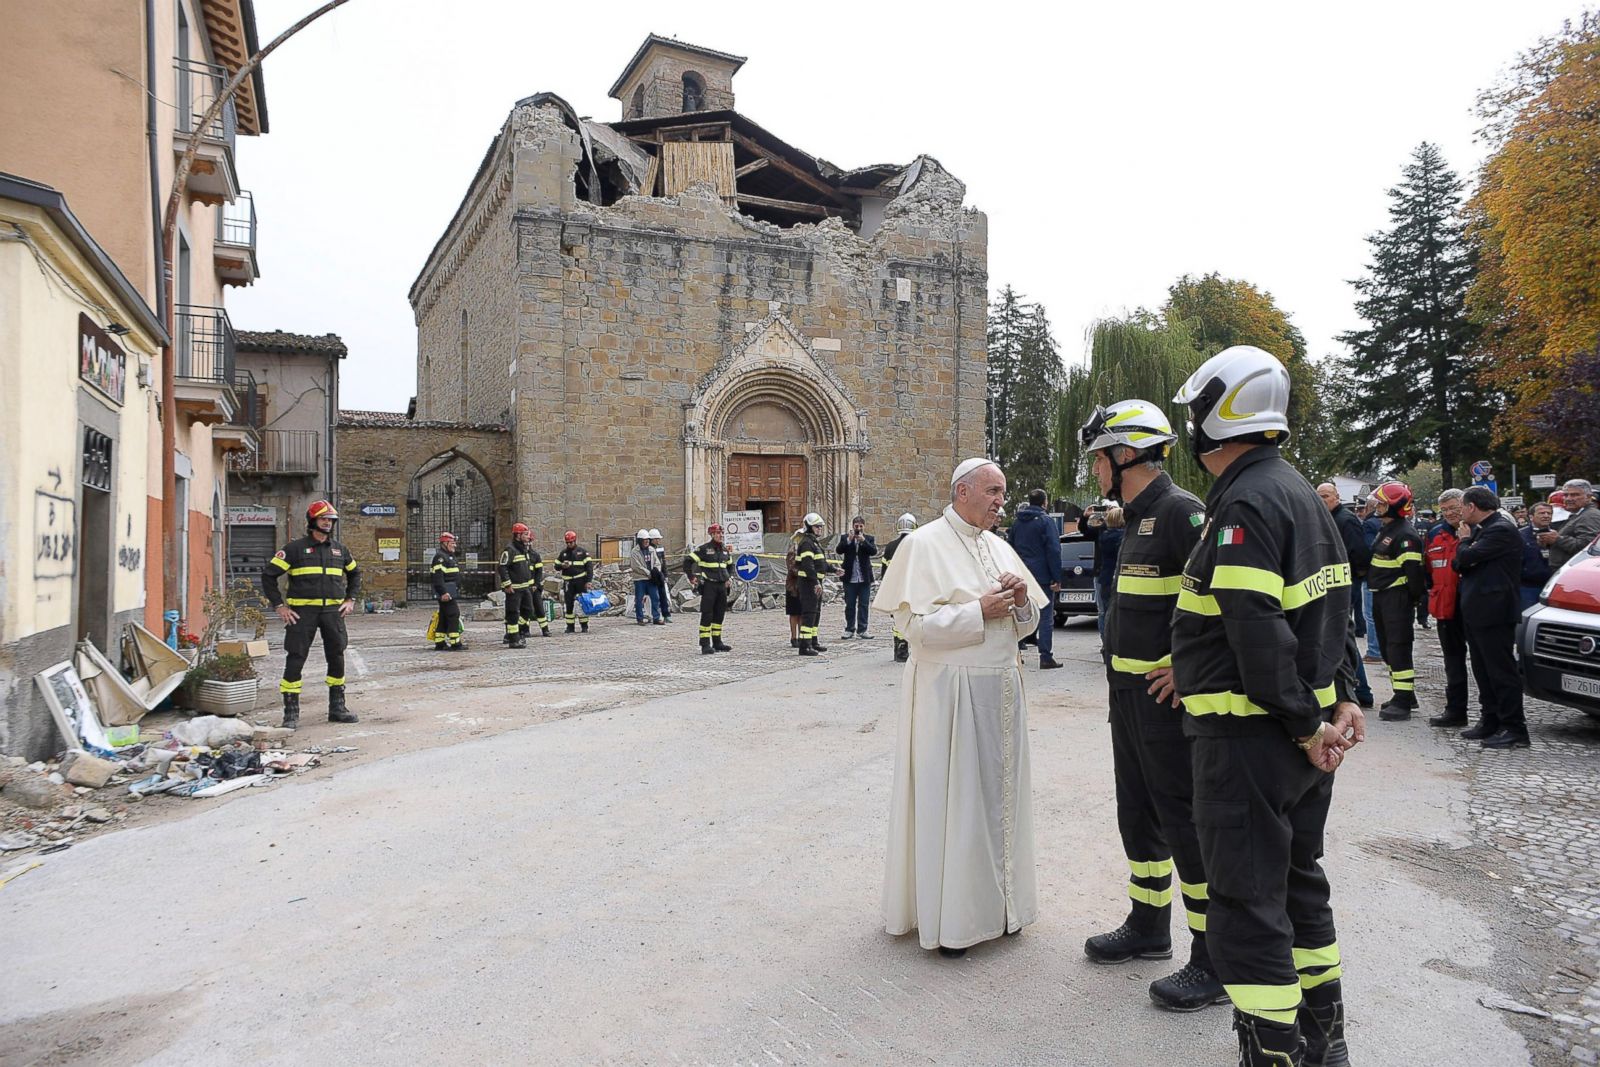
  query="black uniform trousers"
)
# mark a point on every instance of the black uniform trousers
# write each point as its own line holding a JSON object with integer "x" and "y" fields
{"x": 713, "y": 609}
{"x": 522, "y": 607}
{"x": 449, "y": 629}
{"x": 1453, "y": 646}
{"x": 569, "y": 594}
{"x": 297, "y": 638}
{"x": 1392, "y": 613}
{"x": 1153, "y": 766}
{"x": 1260, "y": 808}
{"x": 1494, "y": 667}
{"x": 810, "y": 607}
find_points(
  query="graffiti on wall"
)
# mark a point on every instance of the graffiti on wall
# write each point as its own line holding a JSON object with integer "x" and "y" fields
{"x": 129, "y": 556}
{"x": 55, "y": 540}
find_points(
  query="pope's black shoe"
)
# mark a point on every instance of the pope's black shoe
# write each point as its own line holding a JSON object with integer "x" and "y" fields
{"x": 1126, "y": 943}
{"x": 1190, "y": 989}
{"x": 952, "y": 953}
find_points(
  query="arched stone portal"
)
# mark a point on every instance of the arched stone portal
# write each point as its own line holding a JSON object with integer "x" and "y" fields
{"x": 771, "y": 427}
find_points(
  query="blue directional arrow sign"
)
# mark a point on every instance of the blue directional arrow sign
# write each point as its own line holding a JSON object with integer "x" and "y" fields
{"x": 747, "y": 567}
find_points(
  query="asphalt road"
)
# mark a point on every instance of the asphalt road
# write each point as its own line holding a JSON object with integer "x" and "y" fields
{"x": 694, "y": 880}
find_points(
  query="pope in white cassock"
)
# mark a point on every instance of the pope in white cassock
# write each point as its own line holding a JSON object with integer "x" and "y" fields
{"x": 960, "y": 864}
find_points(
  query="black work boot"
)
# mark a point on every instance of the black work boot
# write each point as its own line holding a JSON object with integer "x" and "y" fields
{"x": 1392, "y": 712}
{"x": 519, "y": 641}
{"x": 441, "y": 646}
{"x": 544, "y": 631}
{"x": 1191, "y": 989}
{"x": 805, "y": 647}
{"x": 705, "y": 646}
{"x": 1321, "y": 1019}
{"x": 816, "y": 647}
{"x": 291, "y": 710}
{"x": 585, "y": 625}
{"x": 902, "y": 650}
{"x": 716, "y": 643}
{"x": 1128, "y": 942}
{"x": 526, "y": 629}
{"x": 572, "y": 628}
{"x": 1449, "y": 718}
{"x": 337, "y": 712}
{"x": 1266, "y": 1044}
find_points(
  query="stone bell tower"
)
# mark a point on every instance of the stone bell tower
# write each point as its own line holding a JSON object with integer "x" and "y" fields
{"x": 668, "y": 77}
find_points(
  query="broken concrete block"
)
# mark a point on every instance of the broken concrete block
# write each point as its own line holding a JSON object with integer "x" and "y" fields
{"x": 80, "y": 768}
{"x": 33, "y": 792}
{"x": 97, "y": 815}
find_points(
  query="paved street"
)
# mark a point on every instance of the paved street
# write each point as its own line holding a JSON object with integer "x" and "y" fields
{"x": 688, "y": 873}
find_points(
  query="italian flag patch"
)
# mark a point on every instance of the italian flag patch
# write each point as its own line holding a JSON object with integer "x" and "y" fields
{"x": 1230, "y": 535}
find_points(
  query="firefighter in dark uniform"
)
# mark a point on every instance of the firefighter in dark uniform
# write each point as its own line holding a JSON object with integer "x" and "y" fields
{"x": 323, "y": 584}
{"x": 449, "y": 635}
{"x": 1150, "y": 755}
{"x": 810, "y": 565}
{"x": 1398, "y": 579}
{"x": 905, "y": 524}
{"x": 1263, "y": 658}
{"x": 521, "y": 573}
{"x": 576, "y": 567}
{"x": 707, "y": 568}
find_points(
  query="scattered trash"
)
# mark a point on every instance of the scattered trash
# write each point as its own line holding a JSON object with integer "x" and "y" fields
{"x": 154, "y": 784}
{"x": 223, "y": 788}
{"x": 211, "y": 731}
{"x": 297, "y": 900}
{"x": 285, "y": 763}
{"x": 1502, "y": 1002}
{"x": 59, "y": 846}
{"x": 189, "y": 789}
{"x": 17, "y": 840}
{"x": 318, "y": 750}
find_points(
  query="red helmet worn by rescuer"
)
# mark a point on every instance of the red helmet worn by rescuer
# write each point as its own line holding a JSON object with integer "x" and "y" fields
{"x": 321, "y": 509}
{"x": 446, "y": 536}
{"x": 571, "y": 537}
{"x": 520, "y": 530}
{"x": 714, "y": 528}
{"x": 1396, "y": 496}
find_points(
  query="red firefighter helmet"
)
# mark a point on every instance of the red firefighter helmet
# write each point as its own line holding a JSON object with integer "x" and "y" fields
{"x": 520, "y": 530}
{"x": 714, "y": 528}
{"x": 1396, "y": 496}
{"x": 321, "y": 509}
{"x": 447, "y": 536}
{"x": 1557, "y": 499}
{"x": 570, "y": 537}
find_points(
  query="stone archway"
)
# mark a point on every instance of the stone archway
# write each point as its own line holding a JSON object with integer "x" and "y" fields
{"x": 770, "y": 396}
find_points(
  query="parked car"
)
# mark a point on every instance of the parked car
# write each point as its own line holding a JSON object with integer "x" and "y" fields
{"x": 1077, "y": 579}
{"x": 1559, "y": 637}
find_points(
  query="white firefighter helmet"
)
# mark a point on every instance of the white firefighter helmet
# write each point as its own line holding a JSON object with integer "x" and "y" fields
{"x": 906, "y": 523}
{"x": 653, "y": 533}
{"x": 1241, "y": 391}
{"x": 813, "y": 519}
{"x": 1138, "y": 424}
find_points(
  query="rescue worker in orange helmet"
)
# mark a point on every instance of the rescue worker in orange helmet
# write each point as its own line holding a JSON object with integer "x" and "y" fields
{"x": 577, "y": 575}
{"x": 449, "y": 635}
{"x": 1399, "y": 582}
{"x": 324, "y": 581}
{"x": 707, "y": 568}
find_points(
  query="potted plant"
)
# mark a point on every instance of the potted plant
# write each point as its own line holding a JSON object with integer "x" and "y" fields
{"x": 221, "y": 685}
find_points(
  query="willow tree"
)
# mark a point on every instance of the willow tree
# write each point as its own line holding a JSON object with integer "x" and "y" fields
{"x": 1138, "y": 357}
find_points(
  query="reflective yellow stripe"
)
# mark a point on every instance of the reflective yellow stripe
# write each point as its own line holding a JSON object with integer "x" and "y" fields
{"x": 1275, "y": 1002}
{"x": 1405, "y": 687}
{"x": 1311, "y": 981}
{"x": 1316, "y": 957}
{"x": 1133, "y": 585}
{"x": 312, "y": 602}
{"x": 336, "y": 681}
{"x": 1401, "y": 560}
{"x": 1247, "y": 579}
{"x": 1198, "y": 603}
{"x": 315, "y": 570}
{"x": 440, "y": 568}
{"x": 287, "y": 686}
{"x": 1197, "y": 921}
{"x": 1195, "y": 890}
{"x": 1139, "y": 666}
{"x": 1403, "y": 675}
{"x": 1156, "y": 898}
{"x": 1327, "y": 696}
{"x": 1150, "y": 868}
{"x": 276, "y": 562}
{"x": 350, "y": 566}
{"x": 521, "y": 585}
{"x": 519, "y": 559}
{"x": 1221, "y": 704}
{"x": 1316, "y": 586}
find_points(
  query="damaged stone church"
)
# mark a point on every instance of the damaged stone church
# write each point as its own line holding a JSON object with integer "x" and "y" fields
{"x": 679, "y": 314}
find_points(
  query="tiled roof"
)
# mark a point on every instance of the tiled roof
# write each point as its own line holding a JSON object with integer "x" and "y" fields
{"x": 291, "y": 344}
{"x": 372, "y": 418}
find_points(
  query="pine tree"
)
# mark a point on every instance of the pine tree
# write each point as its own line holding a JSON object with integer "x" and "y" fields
{"x": 1025, "y": 441}
{"x": 1411, "y": 392}
{"x": 1006, "y": 329}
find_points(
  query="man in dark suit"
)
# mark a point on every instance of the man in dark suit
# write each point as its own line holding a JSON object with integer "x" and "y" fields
{"x": 1490, "y": 564}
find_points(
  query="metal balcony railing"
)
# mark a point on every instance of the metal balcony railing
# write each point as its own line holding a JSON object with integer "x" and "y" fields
{"x": 198, "y": 85}
{"x": 247, "y": 412}
{"x": 236, "y": 222}
{"x": 281, "y": 452}
{"x": 204, "y": 344}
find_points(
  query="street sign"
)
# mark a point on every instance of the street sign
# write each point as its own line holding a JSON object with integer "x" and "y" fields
{"x": 741, "y": 530}
{"x": 747, "y": 567}
{"x": 1511, "y": 501}
{"x": 1542, "y": 481}
{"x": 1481, "y": 469}
{"x": 379, "y": 509}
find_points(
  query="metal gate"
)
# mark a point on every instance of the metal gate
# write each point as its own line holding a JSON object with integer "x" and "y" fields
{"x": 249, "y": 548}
{"x": 449, "y": 493}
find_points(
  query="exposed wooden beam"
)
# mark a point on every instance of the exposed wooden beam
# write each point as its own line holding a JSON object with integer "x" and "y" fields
{"x": 811, "y": 180}
{"x": 883, "y": 194}
{"x": 751, "y": 168}
{"x": 794, "y": 207}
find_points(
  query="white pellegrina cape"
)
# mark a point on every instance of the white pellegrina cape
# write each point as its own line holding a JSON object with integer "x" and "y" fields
{"x": 960, "y": 859}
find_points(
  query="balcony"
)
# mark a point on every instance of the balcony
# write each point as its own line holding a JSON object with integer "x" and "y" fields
{"x": 213, "y": 179}
{"x": 289, "y": 453}
{"x": 203, "y": 346}
{"x": 239, "y": 435}
{"x": 235, "y": 249}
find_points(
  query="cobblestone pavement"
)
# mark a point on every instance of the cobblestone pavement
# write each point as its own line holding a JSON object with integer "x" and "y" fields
{"x": 1539, "y": 809}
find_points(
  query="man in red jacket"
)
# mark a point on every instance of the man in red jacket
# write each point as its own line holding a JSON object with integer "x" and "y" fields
{"x": 1439, "y": 548}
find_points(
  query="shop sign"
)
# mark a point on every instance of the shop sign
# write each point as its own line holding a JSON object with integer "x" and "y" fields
{"x": 101, "y": 361}
{"x": 252, "y": 515}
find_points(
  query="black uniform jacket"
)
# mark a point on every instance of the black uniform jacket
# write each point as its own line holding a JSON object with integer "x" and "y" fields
{"x": 575, "y": 564}
{"x": 888, "y": 553}
{"x": 1260, "y": 637}
{"x": 320, "y": 575}
{"x": 1163, "y": 524}
{"x": 1397, "y": 561}
{"x": 520, "y": 567}
{"x": 1490, "y": 562}
{"x": 1355, "y": 541}
{"x": 809, "y": 562}
{"x": 711, "y": 562}
{"x": 446, "y": 575}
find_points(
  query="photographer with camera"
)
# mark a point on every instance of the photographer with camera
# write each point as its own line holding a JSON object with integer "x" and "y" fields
{"x": 856, "y": 548}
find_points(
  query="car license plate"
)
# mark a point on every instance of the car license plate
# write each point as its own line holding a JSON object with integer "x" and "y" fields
{"x": 1584, "y": 687}
{"x": 1076, "y": 596}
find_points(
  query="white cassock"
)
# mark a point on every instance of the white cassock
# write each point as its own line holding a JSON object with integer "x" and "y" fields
{"x": 960, "y": 862}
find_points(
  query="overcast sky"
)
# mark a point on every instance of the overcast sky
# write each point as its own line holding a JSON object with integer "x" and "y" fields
{"x": 1114, "y": 147}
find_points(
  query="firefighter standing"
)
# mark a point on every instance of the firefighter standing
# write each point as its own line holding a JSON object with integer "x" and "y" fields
{"x": 707, "y": 568}
{"x": 905, "y": 524}
{"x": 1263, "y": 657}
{"x": 577, "y": 574}
{"x": 810, "y": 565}
{"x": 449, "y": 635}
{"x": 1398, "y": 580}
{"x": 1150, "y": 756}
{"x": 522, "y": 580}
{"x": 323, "y": 583}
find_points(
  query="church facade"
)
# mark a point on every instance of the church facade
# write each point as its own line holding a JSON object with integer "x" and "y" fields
{"x": 678, "y": 314}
